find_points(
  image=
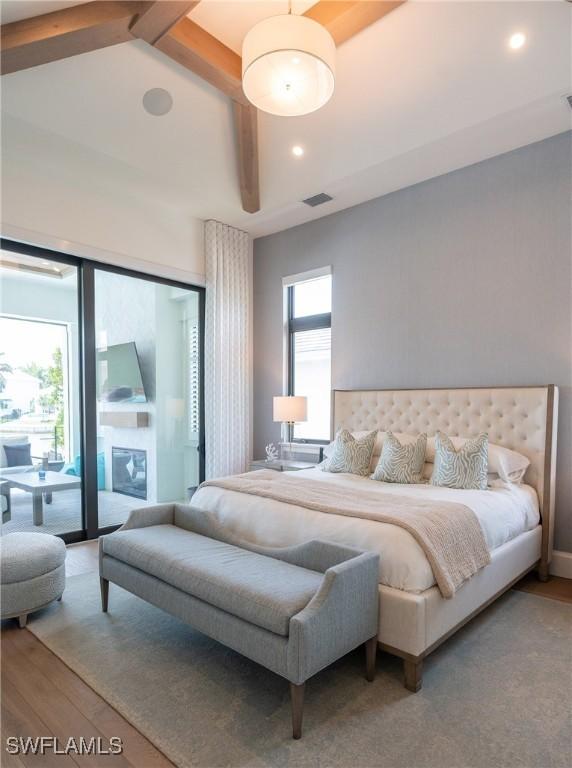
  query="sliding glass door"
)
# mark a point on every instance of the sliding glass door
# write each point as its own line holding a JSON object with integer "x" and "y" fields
{"x": 101, "y": 392}
{"x": 148, "y": 393}
{"x": 40, "y": 420}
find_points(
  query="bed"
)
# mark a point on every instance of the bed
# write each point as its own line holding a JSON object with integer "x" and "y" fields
{"x": 517, "y": 521}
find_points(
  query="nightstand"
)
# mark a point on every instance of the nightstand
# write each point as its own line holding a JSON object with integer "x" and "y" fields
{"x": 281, "y": 466}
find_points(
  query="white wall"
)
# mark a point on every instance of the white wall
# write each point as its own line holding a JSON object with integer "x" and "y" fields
{"x": 62, "y": 195}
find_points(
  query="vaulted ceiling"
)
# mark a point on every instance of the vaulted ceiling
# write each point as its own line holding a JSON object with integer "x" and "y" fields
{"x": 422, "y": 90}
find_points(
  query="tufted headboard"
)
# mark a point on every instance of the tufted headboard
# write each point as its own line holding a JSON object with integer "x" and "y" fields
{"x": 521, "y": 418}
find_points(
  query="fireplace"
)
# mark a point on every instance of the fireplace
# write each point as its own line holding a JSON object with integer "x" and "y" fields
{"x": 129, "y": 471}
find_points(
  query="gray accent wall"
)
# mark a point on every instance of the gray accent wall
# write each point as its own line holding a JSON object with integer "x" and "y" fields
{"x": 461, "y": 280}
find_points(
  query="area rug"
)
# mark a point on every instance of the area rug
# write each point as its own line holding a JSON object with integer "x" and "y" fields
{"x": 496, "y": 695}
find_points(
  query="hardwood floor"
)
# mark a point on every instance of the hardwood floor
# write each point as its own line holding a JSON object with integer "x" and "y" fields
{"x": 556, "y": 588}
{"x": 41, "y": 696}
{"x": 82, "y": 558}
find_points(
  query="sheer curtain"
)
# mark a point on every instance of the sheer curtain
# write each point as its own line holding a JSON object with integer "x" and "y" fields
{"x": 227, "y": 359}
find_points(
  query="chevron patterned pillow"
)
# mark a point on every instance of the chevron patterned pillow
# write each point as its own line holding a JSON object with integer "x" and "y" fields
{"x": 466, "y": 468}
{"x": 401, "y": 463}
{"x": 349, "y": 454}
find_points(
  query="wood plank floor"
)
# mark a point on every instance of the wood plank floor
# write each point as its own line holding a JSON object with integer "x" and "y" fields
{"x": 41, "y": 696}
{"x": 556, "y": 588}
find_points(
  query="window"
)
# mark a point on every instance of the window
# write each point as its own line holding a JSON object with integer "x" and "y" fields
{"x": 309, "y": 358}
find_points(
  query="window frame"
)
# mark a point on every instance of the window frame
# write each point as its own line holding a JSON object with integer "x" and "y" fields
{"x": 295, "y": 325}
{"x": 87, "y": 360}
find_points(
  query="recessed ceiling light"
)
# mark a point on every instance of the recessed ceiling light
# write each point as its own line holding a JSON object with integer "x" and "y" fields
{"x": 157, "y": 102}
{"x": 297, "y": 150}
{"x": 46, "y": 263}
{"x": 517, "y": 40}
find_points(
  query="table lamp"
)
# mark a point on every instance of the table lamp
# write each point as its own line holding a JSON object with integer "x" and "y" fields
{"x": 289, "y": 410}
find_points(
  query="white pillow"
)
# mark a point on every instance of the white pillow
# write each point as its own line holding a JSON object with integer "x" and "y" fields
{"x": 510, "y": 466}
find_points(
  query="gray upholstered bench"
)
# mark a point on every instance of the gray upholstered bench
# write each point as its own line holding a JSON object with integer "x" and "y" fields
{"x": 294, "y": 610}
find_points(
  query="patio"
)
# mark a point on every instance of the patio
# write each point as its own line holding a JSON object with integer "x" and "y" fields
{"x": 64, "y": 513}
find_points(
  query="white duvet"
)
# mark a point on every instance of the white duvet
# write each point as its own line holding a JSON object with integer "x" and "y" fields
{"x": 503, "y": 513}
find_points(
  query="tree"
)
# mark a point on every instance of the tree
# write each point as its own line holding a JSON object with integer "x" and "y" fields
{"x": 55, "y": 381}
{"x": 35, "y": 370}
{"x": 4, "y": 368}
{"x": 55, "y": 397}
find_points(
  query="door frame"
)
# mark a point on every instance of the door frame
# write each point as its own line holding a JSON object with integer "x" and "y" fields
{"x": 87, "y": 362}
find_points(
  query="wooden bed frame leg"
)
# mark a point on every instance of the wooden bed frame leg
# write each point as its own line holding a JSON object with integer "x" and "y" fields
{"x": 413, "y": 674}
{"x": 543, "y": 572}
{"x": 297, "y": 701}
{"x": 370, "y": 656}
{"x": 104, "y": 587}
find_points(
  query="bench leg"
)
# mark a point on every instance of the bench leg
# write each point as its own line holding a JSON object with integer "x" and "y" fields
{"x": 413, "y": 673}
{"x": 370, "y": 654}
{"x": 22, "y": 620}
{"x": 104, "y": 587}
{"x": 297, "y": 700}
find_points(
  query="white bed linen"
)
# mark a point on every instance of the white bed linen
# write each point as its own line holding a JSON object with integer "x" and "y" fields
{"x": 503, "y": 513}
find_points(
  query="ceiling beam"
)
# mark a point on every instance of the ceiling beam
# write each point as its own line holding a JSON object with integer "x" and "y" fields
{"x": 158, "y": 19}
{"x": 345, "y": 19}
{"x": 69, "y": 32}
{"x": 246, "y": 131}
{"x": 197, "y": 50}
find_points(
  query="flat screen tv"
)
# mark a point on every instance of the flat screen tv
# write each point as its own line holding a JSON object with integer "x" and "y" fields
{"x": 119, "y": 375}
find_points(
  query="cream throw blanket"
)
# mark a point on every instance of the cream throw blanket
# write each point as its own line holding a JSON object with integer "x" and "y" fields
{"x": 448, "y": 532}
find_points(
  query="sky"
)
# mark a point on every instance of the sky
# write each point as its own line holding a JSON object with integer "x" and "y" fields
{"x": 24, "y": 341}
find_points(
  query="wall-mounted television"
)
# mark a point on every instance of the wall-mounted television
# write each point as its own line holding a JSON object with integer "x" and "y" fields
{"x": 119, "y": 377}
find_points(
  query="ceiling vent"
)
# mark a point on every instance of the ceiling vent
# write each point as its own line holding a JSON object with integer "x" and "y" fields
{"x": 318, "y": 199}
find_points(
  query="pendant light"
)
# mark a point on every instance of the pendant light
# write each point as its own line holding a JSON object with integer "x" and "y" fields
{"x": 288, "y": 65}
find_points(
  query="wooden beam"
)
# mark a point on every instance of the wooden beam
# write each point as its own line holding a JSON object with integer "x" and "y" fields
{"x": 157, "y": 20}
{"x": 246, "y": 129}
{"x": 345, "y": 19}
{"x": 69, "y": 32}
{"x": 197, "y": 50}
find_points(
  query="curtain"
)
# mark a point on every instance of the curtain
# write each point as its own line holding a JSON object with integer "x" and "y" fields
{"x": 227, "y": 359}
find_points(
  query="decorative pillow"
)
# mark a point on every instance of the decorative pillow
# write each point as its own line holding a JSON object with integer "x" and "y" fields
{"x": 18, "y": 455}
{"x": 349, "y": 454}
{"x": 492, "y": 477}
{"x": 509, "y": 466}
{"x": 465, "y": 468}
{"x": 400, "y": 463}
{"x": 403, "y": 438}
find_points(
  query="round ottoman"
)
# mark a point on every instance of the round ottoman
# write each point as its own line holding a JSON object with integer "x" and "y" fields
{"x": 32, "y": 573}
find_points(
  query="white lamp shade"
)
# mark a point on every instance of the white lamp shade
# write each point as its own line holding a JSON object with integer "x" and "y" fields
{"x": 288, "y": 65}
{"x": 290, "y": 409}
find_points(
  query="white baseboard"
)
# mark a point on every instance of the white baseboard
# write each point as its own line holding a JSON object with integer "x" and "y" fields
{"x": 561, "y": 564}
